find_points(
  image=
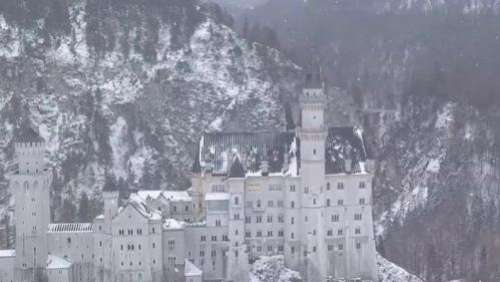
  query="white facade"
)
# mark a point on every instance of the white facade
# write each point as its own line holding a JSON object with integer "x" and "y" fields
{"x": 306, "y": 195}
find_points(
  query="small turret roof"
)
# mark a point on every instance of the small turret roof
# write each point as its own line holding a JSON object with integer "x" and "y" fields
{"x": 237, "y": 170}
{"x": 26, "y": 134}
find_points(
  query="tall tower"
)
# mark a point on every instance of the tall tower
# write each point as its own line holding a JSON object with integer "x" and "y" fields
{"x": 312, "y": 134}
{"x": 30, "y": 184}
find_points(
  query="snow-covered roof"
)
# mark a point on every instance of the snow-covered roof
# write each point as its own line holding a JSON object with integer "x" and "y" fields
{"x": 138, "y": 203}
{"x": 145, "y": 194}
{"x": 70, "y": 227}
{"x": 55, "y": 262}
{"x": 216, "y": 196}
{"x": 171, "y": 224}
{"x": 191, "y": 270}
{"x": 7, "y": 253}
{"x": 278, "y": 152}
{"x": 177, "y": 196}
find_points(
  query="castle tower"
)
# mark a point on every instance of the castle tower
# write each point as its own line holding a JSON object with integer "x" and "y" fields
{"x": 237, "y": 257}
{"x": 197, "y": 187}
{"x": 30, "y": 184}
{"x": 312, "y": 134}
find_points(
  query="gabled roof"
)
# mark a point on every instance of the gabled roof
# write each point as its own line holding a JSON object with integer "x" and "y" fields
{"x": 190, "y": 269}
{"x": 281, "y": 150}
{"x": 237, "y": 170}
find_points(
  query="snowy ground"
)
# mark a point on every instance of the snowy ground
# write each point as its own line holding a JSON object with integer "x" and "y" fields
{"x": 390, "y": 272}
{"x": 272, "y": 269}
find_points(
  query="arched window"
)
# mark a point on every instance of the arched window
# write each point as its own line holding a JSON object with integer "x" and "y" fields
{"x": 26, "y": 186}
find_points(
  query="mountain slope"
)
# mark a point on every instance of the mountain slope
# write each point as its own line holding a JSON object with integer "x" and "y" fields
{"x": 125, "y": 90}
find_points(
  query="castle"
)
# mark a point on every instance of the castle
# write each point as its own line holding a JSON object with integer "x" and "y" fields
{"x": 304, "y": 194}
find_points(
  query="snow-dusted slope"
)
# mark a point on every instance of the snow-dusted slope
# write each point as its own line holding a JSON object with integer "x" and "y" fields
{"x": 390, "y": 272}
{"x": 126, "y": 95}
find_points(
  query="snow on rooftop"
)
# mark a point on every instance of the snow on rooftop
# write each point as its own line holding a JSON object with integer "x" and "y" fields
{"x": 217, "y": 197}
{"x": 138, "y": 203}
{"x": 181, "y": 196}
{"x": 145, "y": 194}
{"x": 55, "y": 262}
{"x": 70, "y": 227}
{"x": 390, "y": 272}
{"x": 191, "y": 270}
{"x": 171, "y": 223}
{"x": 7, "y": 253}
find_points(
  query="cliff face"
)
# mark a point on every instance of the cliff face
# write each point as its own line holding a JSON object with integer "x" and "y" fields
{"x": 124, "y": 89}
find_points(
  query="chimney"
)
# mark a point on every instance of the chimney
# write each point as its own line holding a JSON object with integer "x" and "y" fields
{"x": 264, "y": 167}
{"x": 348, "y": 165}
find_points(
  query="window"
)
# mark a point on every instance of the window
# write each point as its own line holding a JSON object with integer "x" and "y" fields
{"x": 269, "y": 233}
{"x": 259, "y": 234}
{"x": 121, "y": 232}
{"x": 340, "y": 202}
{"x": 328, "y": 186}
{"x": 362, "y": 185}
{"x": 306, "y": 189}
{"x": 259, "y": 248}
{"x": 218, "y": 188}
{"x": 314, "y": 249}
{"x": 328, "y": 202}
{"x": 248, "y": 219}
{"x": 153, "y": 230}
{"x": 358, "y": 245}
{"x": 292, "y": 250}
{"x": 203, "y": 238}
{"x": 281, "y": 233}
{"x": 362, "y": 201}
{"x": 269, "y": 218}
{"x": 281, "y": 218}
{"x": 292, "y": 220}
{"x": 69, "y": 240}
{"x": 269, "y": 248}
{"x": 314, "y": 151}
{"x": 292, "y": 204}
{"x": 236, "y": 216}
{"x": 306, "y": 218}
{"x": 280, "y": 248}
{"x": 121, "y": 247}
{"x": 270, "y": 204}
{"x": 330, "y": 248}
{"x": 213, "y": 253}
{"x": 171, "y": 244}
{"x": 217, "y": 222}
{"x": 340, "y": 186}
{"x": 335, "y": 218}
{"x": 314, "y": 201}
{"x": 292, "y": 235}
{"x": 139, "y": 231}
{"x": 280, "y": 203}
{"x": 329, "y": 233}
{"x": 186, "y": 208}
{"x": 225, "y": 238}
{"x": 292, "y": 188}
{"x": 202, "y": 253}
{"x": 214, "y": 238}
{"x": 258, "y": 219}
{"x": 357, "y": 230}
{"x": 340, "y": 247}
{"x": 130, "y": 232}
{"x": 248, "y": 234}
{"x": 100, "y": 243}
{"x": 259, "y": 204}
{"x": 340, "y": 232}
{"x": 357, "y": 216}
{"x": 154, "y": 245}
{"x": 236, "y": 200}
